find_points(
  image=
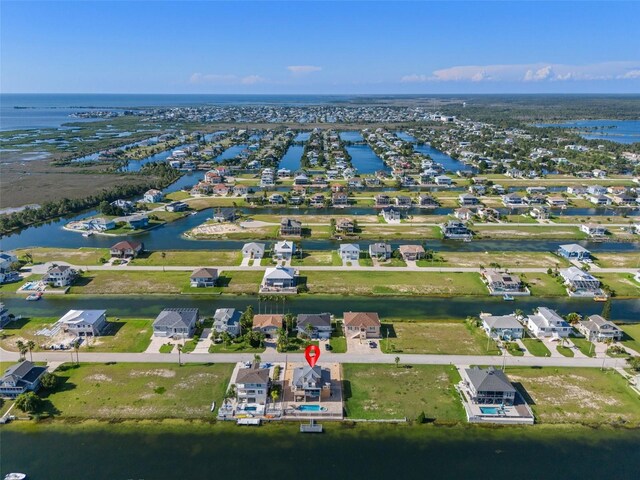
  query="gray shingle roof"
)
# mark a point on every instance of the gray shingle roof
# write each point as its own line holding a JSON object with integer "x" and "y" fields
{"x": 176, "y": 318}
{"x": 315, "y": 319}
{"x": 489, "y": 380}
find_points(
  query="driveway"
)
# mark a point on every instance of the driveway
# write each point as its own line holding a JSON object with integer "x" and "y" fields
{"x": 361, "y": 347}
{"x": 204, "y": 342}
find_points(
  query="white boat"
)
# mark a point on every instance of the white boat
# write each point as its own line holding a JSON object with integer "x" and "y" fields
{"x": 15, "y": 476}
{"x": 213, "y": 406}
{"x": 87, "y": 234}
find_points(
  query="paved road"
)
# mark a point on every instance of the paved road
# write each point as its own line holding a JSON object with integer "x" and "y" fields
{"x": 326, "y": 357}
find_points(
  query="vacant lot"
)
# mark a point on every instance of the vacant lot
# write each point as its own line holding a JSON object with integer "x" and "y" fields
{"x": 543, "y": 285}
{"x": 75, "y": 256}
{"x": 138, "y": 391}
{"x": 394, "y": 283}
{"x": 618, "y": 260}
{"x": 387, "y": 391}
{"x": 623, "y": 284}
{"x": 585, "y": 395}
{"x": 190, "y": 257}
{"x": 317, "y": 258}
{"x": 389, "y": 232}
{"x": 444, "y": 337}
{"x": 503, "y": 259}
{"x": 505, "y": 231}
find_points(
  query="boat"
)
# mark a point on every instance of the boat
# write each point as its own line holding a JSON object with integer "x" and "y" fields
{"x": 87, "y": 234}
{"x": 213, "y": 406}
{"x": 15, "y": 476}
{"x": 507, "y": 298}
{"x": 600, "y": 298}
{"x": 34, "y": 296}
{"x": 253, "y": 422}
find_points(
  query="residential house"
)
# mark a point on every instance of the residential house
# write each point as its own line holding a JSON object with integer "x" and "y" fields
{"x": 488, "y": 213}
{"x": 204, "y": 277}
{"x": 136, "y": 222}
{"x": 284, "y": 250}
{"x": 382, "y": 200}
{"x": 597, "y": 329}
{"x": 402, "y": 201}
{"x": 411, "y": 253}
{"x": 539, "y": 212}
{"x": 557, "y": 202}
{"x": 126, "y": 249}
{"x": 340, "y": 199}
{"x": 500, "y": 283}
{"x": 98, "y": 224}
{"x": 276, "y": 199}
{"x": 361, "y": 324}
{"x": 311, "y": 384}
{"x": 573, "y": 251}
{"x": 314, "y": 325}
{"x": 512, "y": 200}
{"x": 427, "y": 201}
{"x": 224, "y": 215}
{"x": 579, "y": 282}
{"x": 252, "y": 385}
{"x": 176, "y": 323}
{"x": 20, "y": 378}
{"x": 253, "y": 250}
{"x": 593, "y": 229}
{"x": 124, "y": 205}
{"x": 84, "y": 322}
{"x": 349, "y": 252}
{"x": 152, "y": 196}
{"x": 600, "y": 200}
{"x": 227, "y": 320}
{"x": 463, "y": 214}
{"x": 467, "y": 200}
{"x": 443, "y": 180}
{"x": 278, "y": 280}
{"x": 317, "y": 200}
{"x": 240, "y": 190}
{"x": 391, "y": 215}
{"x": 60, "y": 275}
{"x": 380, "y": 251}
{"x": 5, "y": 317}
{"x": 290, "y": 227}
{"x": 267, "y": 324}
{"x": 504, "y": 327}
{"x": 456, "y": 230}
{"x": 221, "y": 190}
{"x": 488, "y": 386}
{"x": 176, "y": 207}
{"x": 7, "y": 259}
{"x": 547, "y": 323}
{"x": 345, "y": 225}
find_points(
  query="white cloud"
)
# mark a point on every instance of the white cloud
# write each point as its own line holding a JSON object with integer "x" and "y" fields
{"x": 534, "y": 72}
{"x": 224, "y": 79}
{"x": 303, "y": 69}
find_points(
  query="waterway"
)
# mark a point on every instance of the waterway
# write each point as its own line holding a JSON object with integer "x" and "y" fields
{"x": 231, "y": 152}
{"x": 396, "y": 307}
{"x": 619, "y": 131}
{"x": 291, "y": 159}
{"x": 139, "y": 451}
{"x": 365, "y": 159}
{"x": 448, "y": 163}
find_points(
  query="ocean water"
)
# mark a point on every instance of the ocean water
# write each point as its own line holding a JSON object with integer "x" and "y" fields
{"x": 619, "y": 131}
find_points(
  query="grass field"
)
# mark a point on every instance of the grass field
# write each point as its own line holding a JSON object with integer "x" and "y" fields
{"x": 536, "y": 347}
{"x": 564, "y": 350}
{"x": 406, "y": 231}
{"x": 394, "y": 283}
{"x": 75, "y": 256}
{"x": 622, "y": 284}
{"x": 632, "y": 336}
{"x": 317, "y": 258}
{"x": 583, "y": 395}
{"x": 241, "y": 347}
{"x": 543, "y": 285}
{"x": 138, "y": 391}
{"x": 515, "y": 232}
{"x": 338, "y": 341}
{"x": 585, "y": 346}
{"x": 190, "y": 257}
{"x": 438, "y": 337}
{"x": 618, "y": 260}
{"x": 503, "y": 259}
{"x": 386, "y": 391}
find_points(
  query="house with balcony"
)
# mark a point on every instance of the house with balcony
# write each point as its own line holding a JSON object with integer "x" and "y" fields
{"x": 361, "y": 325}
{"x": 84, "y": 323}
{"x": 60, "y": 276}
{"x": 290, "y": 227}
{"x": 284, "y": 250}
{"x": 311, "y": 384}
{"x": 546, "y": 323}
{"x": 269, "y": 325}
{"x": 500, "y": 283}
{"x": 227, "y": 320}
{"x": 580, "y": 283}
{"x": 176, "y": 323}
{"x": 20, "y": 378}
{"x": 573, "y": 251}
{"x": 252, "y": 385}
{"x": 456, "y": 230}
{"x": 503, "y": 327}
{"x": 314, "y": 325}
{"x": 597, "y": 329}
{"x": 349, "y": 252}
{"x": 204, "y": 277}
{"x": 488, "y": 386}
{"x": 594, "y": 229}
{"x": 153, "y": 196}
{"x": 279, "y": 280}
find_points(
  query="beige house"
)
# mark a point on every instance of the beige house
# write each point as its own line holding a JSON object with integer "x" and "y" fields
{"x": 268, "y": 324}
{"x": 361, "y": 324}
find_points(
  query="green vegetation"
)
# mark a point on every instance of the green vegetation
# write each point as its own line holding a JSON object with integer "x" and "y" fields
{"x": 543, "y": 285}
{"x": 536, "y": 347}
{"x": 494, "y": 259}
{"x": 620, "y": 284}
{"x": 388, "y": 391}
{"x": 167, "y": 348}
{"x": 338, "y": 341}
{"x": 514, "y": 349}
{"x": 315, "y": 258}
{"x": 631, "y": 337}
{"x": 502, "y": 231}
{"x": 585, "y": 346}
{"x": 74, "y": 256}
{"x": 618, "y": 260}
{"x": 189, "y": 257}
{"x": 564, "y": 350}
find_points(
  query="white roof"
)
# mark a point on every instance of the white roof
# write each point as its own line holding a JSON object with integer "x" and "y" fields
{"x": 573, "y": 247}
{"x": 279, "y": 273}
{"x": 82, "y": 316}
{"x": 574, "y": 274}
{"x": 503, "y": 321}
{"x": 285, "y": 245}
{"x": 345, "y": 247}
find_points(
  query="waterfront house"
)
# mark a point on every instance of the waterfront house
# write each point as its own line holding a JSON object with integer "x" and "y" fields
{"x": 463, "y": 214}
{"x": 222, "y": 215}
{"x": 402, "y": 201}
{"x": 411, "y": 253}
{"x": 98, "y": 224}
{"x": 125, "y": 205}
{"x": 279, "y": 280}
{"x": 252, "y": 385}
{"x": 488, "y": 386}
{"x": 136, "y": 222}
{"x": 290, "y": 227}
{"x": 427, "y": 201}
{"x": 596, "y": 190}
{"x": 391, "y": 215}
{"x": 597, "y": 329}
{"x": 253, "y": 250}
{"x": 579, "y": 282}
{"x": 503, "y": 327}
{"x": 488, "y": 213}
{"x": 60, "y": 275}
{"x": 227, "y": 320}
{"x": 284, "y": 250}
{"x": 212, "y": 177}
{"x": 152, "y": 196}
{"x": 276, "y": 199}
{"x": 7, "y": 260}
{"x": 126, "y": 249}
{"x": 345, "y": 225}
{"x": 573, "y": 251}
{"x": 380, "y": 251}
{"x": 267, "y": 324}
{"x": 382, "y": 200}
{"x": 443, "y": 180}
{"x": 204, "y": 277}
{"x": 176, "y": 323}
{"x": 540, "y": 212}
{"x": 5, "y": 317}
{"x": 593, "y": 229}
{"x": 311, "y": 384}
{"x": 512, "y": 200}
{"x": 547, "y": 323}
{"x": 361, "y": 325}
{"x": 240, "y": 190}
{"x": 20, "y": 378}
{"x": 84, "y": 322}
{"x": 176, "y": 207}
{"x": 557, "y": 202}
{"x": 467, "y": 200}
{"x": 456, "y": 230}
{"x": 500, "y": 283}
{"x": 349, "y": 252}
{"x": 317, "y": 200}
{"x": 314, "y": 325}
{"x": 600, "y": 200}
{"x": 340, "y": 199}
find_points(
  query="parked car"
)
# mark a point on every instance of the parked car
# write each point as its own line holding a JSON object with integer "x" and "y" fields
{"x": 373, "y": 345}
{"x": 327, "y": 346}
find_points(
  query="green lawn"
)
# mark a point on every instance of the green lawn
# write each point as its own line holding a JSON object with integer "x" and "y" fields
{"x": 631, "y": 337}
{"x": 123, "y": 390}
{"x": 436, "y": 337}
{"x": 75, "y": 256}
{"x": 566, "y": 351}
{"x": 622, "y": 284}
{"x": 514, "y": 349}
{"x": 585, "y": 346}
{"x": 489, "y": 259}
{"x": 338, "y": 341}
{"x": 543, "y": 285}
{"x": 394, "y": 283}
{"x": 386, "y": 391}
{"x": 394, "y": 262}
{"x": 536, "y": 347}
{"x": 618, "y": 260}
{"x": 167, "y": 348}
{"x": 584, "y": 395}
{"x": 190, "y": 257}
{"x": 540, "y": 231}
{"x": 314, "y": 258}
{"x": 240, "y": 347}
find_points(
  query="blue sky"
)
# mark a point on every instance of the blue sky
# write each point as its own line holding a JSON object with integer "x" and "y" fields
{"x": 320, "y": 47}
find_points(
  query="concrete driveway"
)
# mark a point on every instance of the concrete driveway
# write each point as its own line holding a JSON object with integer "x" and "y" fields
{"x": 357, "y": 346}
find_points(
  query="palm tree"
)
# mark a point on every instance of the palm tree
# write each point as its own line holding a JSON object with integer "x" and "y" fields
{"x": 397, "y": 360}
{"x": 257, "y": 358}
{"x": 309, "y": 330}
{"x": 30, "y": 346}
{"x": 22, "y": 349}
{"x": 76, "y": 347}
{"x": 274, "y": 395}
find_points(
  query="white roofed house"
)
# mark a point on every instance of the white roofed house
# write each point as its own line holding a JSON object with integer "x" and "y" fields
{"x": 7, "y": 259}
{"x": 505, "y": 327}
{"x": 153, "y": 196}
{"x": 279, "y": 280}
{"x": 580, "y": 283}
{"x": 204, "y": 277}
{"x": 284, "y": 250}
{"x": 593, "y": 229}
{"x": 84, "y": 322}
{"x": 349, "y": 252}
{"x": 176, "y": 323}
{"x": 500, "y": 283}
{"x": 60, "y": 276}
{"x": 227, "y": 320}
{"x": 253, "y": 250}
{"x": 547, "y": 323}
{"x": 311, "y": 384}
{"x": 597, "y": 329}
{"x": 573, "y": 251}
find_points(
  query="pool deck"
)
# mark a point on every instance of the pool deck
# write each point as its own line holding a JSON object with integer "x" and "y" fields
{"x": 333, "y": 404}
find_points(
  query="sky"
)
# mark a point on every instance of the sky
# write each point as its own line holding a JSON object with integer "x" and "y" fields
{"x": 328, "y": 47}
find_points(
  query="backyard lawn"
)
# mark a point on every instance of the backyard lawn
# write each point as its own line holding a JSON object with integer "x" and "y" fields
{"x": 536, "y": 347}
{"x": 622, "y": 284}
{"x": 75, "y": 256}
{"x": 190, "y": 257}
{"x": 543, "y": 285}
{"x": 631, "y": 336}
{"x": 437, "y": 337}
{"x": 137, "y": 390}
{"x": 618, "y": 260}
{"x": 394, "y": 283}
{"x": 585, "y": 395}
{"x": 387, "y": 391}
{"x": 502, "y": 259}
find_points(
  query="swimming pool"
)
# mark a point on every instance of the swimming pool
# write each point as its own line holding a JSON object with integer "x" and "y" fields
{"x": 250, "y": 409}
{"x": 490, "y": 410}
{"x": 311, "y": 408}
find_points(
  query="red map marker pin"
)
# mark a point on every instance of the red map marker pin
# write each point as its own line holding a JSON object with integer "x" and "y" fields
{"x": 312, "y": 354}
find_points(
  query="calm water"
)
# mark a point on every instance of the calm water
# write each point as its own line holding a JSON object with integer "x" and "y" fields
{"x": 351, "y": 136}
{"x": 362, "y": 452}
{"x": 399, "y": 307}
{"x": 450, "y": 164}
{"x": 365, "y": 159}
{"x": 619, "y": 131}
{"x": 231, "y": 152}
{"x": 291, "y": 159}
